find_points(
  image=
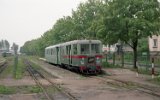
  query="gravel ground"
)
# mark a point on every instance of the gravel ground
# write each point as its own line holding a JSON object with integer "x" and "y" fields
{"x": 85, "y": 88}
{"x": 20, "y": 97}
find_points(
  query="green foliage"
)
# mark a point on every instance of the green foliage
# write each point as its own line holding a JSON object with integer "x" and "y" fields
{"x": 129, "y": 21}
{"x": 107, "y": 20}
{"x": 143, "y": 45}
{"x": 83, "y": 24}
{"x": 6, "y": 90}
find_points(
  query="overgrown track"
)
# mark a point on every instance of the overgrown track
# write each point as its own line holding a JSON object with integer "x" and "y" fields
{"x": 139, "y": 87}
{"x": 3, "y": 66}
{"x": 34, "y": 73}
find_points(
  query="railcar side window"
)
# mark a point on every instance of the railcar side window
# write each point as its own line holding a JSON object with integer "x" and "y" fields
{"x": 84, "y": 48}
{"x": 95, "y": 48}
{"x": 74, "y": 48}
{"x": 68, "y": 48}
{"x": 52, "y": 51}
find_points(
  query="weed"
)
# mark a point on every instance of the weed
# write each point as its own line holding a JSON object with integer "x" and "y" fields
{"x": 108, "y": 65}
{"x": 20, "y": 69}
{"x": 35, "y": 89}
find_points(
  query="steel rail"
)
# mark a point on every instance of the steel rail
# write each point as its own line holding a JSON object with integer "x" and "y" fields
{"x": 66, "y": 93}
{"x": 3, "y": 66}
{"x": 37, "y": 81}
{"x": 139, "y": 87}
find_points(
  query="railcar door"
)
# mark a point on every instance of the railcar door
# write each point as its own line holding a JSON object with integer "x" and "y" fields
{"x": 69, "y": 58}
{"x": 70, "y": 55}
{"x": 57, "y": 49}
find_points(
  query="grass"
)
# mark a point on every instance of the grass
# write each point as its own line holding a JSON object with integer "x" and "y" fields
{"x": 19, "y": 89}
{"x": 9, "y": 70}
{"x": 6, "y": 90}
{"x": 20, "y": 69}
{"x": 27, "y": 89}
{"x": 157, "y": 80}
{"x": 108, "y": 65}
{"x": 2, "y": 59}
{"x": 35, "y": 89}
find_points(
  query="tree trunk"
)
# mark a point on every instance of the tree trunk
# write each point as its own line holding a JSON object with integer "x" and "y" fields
{"x": 106, "y": 57}
{"x": 114, "y": 58}
{"x": 122, "y": 57}
{"x": 135, "y": 54}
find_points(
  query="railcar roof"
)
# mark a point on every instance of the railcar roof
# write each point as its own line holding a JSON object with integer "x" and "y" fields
{"x": 74, "y": 42}
{"x": 52, "y": 46}
{"x": 82, "y": 41}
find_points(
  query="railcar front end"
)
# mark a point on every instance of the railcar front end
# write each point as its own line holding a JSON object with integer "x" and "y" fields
{"x": 90, "y": 57}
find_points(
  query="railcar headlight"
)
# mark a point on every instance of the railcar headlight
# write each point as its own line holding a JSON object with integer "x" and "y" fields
{"x": 82, "y": 61}
{"x": 98, "y": 60}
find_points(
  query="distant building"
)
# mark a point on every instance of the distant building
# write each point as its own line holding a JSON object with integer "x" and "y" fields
{"x": 154, "y": 45}
{"x": 2, "y": 50}
{"x": 117, "y": 47}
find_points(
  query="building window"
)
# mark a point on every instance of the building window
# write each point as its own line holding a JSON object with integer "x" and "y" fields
{"x": 155, "y": 43}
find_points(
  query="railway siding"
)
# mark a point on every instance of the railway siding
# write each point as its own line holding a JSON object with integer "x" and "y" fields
{"x": 80, "y": 87}
{"x": 33, "y": 73}
{"x": 2, "y": 61}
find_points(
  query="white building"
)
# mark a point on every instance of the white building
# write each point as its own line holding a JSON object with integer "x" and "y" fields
{"x": 154, "y": 43}
{"x": 114, "y": 48}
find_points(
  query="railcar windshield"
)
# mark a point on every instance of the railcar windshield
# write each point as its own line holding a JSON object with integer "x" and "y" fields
{"x": 95, "y": 48}
{"x": 85, "y": 49}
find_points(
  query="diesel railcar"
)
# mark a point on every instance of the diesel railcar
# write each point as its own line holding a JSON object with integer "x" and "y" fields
{"x": 82, "y": 55}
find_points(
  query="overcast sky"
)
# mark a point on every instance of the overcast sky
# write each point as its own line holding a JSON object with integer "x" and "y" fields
{"x": 23, "y": 20}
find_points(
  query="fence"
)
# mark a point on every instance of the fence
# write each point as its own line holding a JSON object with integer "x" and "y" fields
{"x": 143, "y": 60}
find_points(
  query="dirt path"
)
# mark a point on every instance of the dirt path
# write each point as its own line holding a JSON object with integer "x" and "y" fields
{"x": 130, "y": 76}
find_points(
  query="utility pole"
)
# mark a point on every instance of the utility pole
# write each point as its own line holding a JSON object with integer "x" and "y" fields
{"x": 15, "y": 48}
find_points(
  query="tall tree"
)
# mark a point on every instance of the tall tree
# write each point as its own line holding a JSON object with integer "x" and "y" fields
{"x": 86, "y": 19}
{"x": 131, "y": 20}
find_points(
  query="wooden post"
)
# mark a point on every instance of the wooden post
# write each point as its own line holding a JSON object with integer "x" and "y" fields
{"x": 153, "y": 68}
{"x": 114, "y": 58}
{"x": 15, "y": 48}
{"x": 137, "y": 69}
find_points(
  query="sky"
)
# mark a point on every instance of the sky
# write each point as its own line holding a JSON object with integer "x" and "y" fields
{"x": 23, "y": 20}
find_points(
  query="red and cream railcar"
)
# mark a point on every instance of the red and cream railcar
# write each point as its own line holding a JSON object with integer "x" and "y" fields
{"x": 83, "y": 55}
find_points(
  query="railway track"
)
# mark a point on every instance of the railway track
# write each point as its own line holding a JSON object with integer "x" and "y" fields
{"x": 35, "y": 74}
{"x": 139, "y": 87}
{"x": 2, "y": 67}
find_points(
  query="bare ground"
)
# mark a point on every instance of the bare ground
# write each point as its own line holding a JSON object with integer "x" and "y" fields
{"x": 85, "y": 88}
